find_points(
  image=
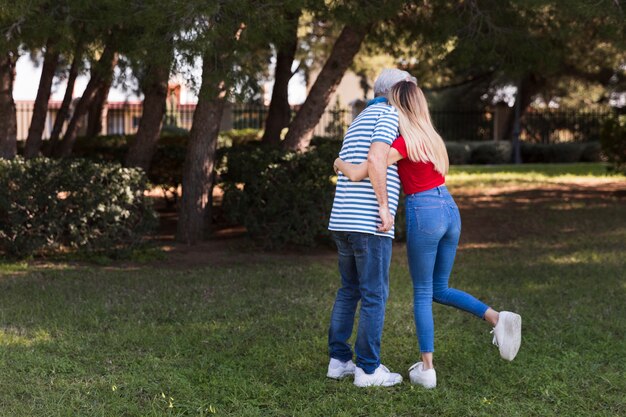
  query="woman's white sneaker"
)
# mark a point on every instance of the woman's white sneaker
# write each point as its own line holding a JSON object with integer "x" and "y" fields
{"x": 426, "y": 378}
{"x": 381, "y": 377}
{"x": 507, "y": 334}
{"x": 338, "y": 369}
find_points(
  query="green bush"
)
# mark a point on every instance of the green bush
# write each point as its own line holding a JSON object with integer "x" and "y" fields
{"x": 458, "y": 153}
{"x": 535, "y": 153}
{"x": 490, "y": 152}
{"x": 592, "y": 152}
{"x": 566, "y": 152}
{"x": 51, "y": 204}
{"x": 569, "y": 152}
{"x": 613, "y": 142}
{"x": 236, "y": 137}
{"x": 282, "y": 198}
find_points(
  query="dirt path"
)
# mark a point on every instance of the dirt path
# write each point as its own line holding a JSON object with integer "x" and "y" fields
{"x": 490, "y": 216}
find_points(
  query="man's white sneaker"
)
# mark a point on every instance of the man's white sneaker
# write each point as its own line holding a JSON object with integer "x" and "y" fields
{"x": 338, "y": 369}
{"x": 381, "y": 377}
{"x": 426, "y": 378}
{"x": 507, "y": 334}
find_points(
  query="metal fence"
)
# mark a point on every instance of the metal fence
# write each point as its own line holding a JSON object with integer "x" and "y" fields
{"x": 459, "y": 126}
{"x": 547, "y": 126}
{"x": 552, "y": 126}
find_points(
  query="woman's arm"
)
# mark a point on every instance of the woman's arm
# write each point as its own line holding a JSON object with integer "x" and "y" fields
{"x": 357, "y": 172}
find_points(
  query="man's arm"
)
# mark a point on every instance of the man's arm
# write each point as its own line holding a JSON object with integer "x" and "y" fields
{"x": 377, "y": 172}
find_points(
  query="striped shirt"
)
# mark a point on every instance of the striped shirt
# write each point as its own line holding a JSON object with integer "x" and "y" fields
{"x": 355, "y": 208}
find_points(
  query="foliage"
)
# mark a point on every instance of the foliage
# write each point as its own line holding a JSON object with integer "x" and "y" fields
{"x": 281, "y": 198}
{"x": 458, "y": 153}
{"x": 78, "y": 204}
{"x": 560, "y": 152}
{"x": 491, "y": 153}
{"x": 614, "y": 143}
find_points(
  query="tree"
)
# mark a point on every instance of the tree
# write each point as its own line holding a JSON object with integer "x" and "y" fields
{"x": 49, "y": 32}
{"x": 64, "y": 110}
{"x": 478, "y": 47}
{"x": 228, "y": 38}
{"x": 100, "y": 74}
{"x": 40, "y": 109}
{"x": 346, "y": 47}
{"x": 152, "y": 59}
{"x": 12, "y": 22}
{"x": 154, "y": 85}
{"x": 8, "y": 117}
{"x": 279, "y": 113}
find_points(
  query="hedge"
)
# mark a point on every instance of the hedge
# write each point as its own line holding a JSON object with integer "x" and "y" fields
{"x": 48, "y": 204}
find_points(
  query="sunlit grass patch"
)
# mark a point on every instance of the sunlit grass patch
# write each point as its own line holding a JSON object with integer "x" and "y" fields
{"x": 13, "y": 336}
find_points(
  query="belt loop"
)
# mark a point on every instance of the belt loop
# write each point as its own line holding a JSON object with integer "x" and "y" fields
{"x": 439, "y": 190}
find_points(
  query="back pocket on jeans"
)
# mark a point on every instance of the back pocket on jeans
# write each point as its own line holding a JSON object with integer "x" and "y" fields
{"x": 429, "y": 219}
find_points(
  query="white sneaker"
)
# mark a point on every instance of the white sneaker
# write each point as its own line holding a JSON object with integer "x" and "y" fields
{"x": 381, "y": 377}
{"x": 338, "y": 369}
{"x": 507, "y": 334}
{"x": 426, "y": 378}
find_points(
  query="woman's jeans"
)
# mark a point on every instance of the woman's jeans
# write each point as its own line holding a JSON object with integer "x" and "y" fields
{"x": 433, "y": 229}
{"x": 364, "y": 268}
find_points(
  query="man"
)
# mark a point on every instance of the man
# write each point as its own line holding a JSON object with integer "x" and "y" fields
{"x": 362, "y": 224}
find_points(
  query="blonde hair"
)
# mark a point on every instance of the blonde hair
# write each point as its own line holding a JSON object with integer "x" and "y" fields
{"x": 423, "y": 143}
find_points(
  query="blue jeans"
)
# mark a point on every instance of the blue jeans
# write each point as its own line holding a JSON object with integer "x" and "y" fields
{"x": 364, "y": 268}
{"x": 433, "y": 227}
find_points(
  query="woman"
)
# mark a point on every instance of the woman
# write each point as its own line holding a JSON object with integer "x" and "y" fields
{"x": 433, "y": 230}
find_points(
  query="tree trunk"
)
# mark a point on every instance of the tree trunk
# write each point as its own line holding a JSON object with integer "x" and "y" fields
{"x": 343, "y": 52}
{"x": 40, "y": 111}
{"x": 8, "y": 117}
{"x": 64, "y": 110}
{"x": 279, "y": 113}
{"x": 94, "y": 118}
{"x": 529, "y": 86}
{"x": 94, "y": 114}
{"x": 195, "y": 205}
{"x": 154, "y": 103}
{"x": 107, "y": 61}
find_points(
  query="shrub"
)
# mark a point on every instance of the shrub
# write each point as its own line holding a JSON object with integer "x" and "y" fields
{"x": 458, "y": 153}
{"x": 566, "y": 152}
{"x": 535, "y": 152}
{"x": 51, "y": 204}
{"x": 238, "y": 137}
{"x": 613, "y": 142}
{"x": 560, "y": 152}
{"x": 490, "y": 152}
{"x": 285, "y": 202}
{"x": 592, "y": 152}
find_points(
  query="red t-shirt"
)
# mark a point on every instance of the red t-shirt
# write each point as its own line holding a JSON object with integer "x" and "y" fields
{"x": 415, "y": 176}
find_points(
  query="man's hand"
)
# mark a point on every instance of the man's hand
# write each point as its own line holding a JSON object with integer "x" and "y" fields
{"x": 386, "y": 219}
{"x": 335, "y": 167}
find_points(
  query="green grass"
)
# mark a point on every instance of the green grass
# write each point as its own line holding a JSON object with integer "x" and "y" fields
{"x": 549, "y": 170}
{"x": 248, "y": 338}
{"x": 524, "y": 175}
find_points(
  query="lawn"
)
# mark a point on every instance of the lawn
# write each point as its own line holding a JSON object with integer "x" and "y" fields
{"x": 241, "y": 333}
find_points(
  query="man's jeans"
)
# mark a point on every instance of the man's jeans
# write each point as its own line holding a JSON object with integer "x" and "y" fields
{"x": 364, "y": 267}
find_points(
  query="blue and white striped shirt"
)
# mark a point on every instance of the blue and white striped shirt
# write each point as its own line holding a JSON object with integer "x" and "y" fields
{"x": 355, "y": 208}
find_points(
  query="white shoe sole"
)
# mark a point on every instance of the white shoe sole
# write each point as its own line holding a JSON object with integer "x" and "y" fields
{"x": 344, "y": 373}
{"x": 363, "y": 384}
{"x": 513, "y": 333}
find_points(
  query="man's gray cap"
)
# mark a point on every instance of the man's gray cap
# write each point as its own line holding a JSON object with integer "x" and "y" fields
{"x": 388, "y": 78}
